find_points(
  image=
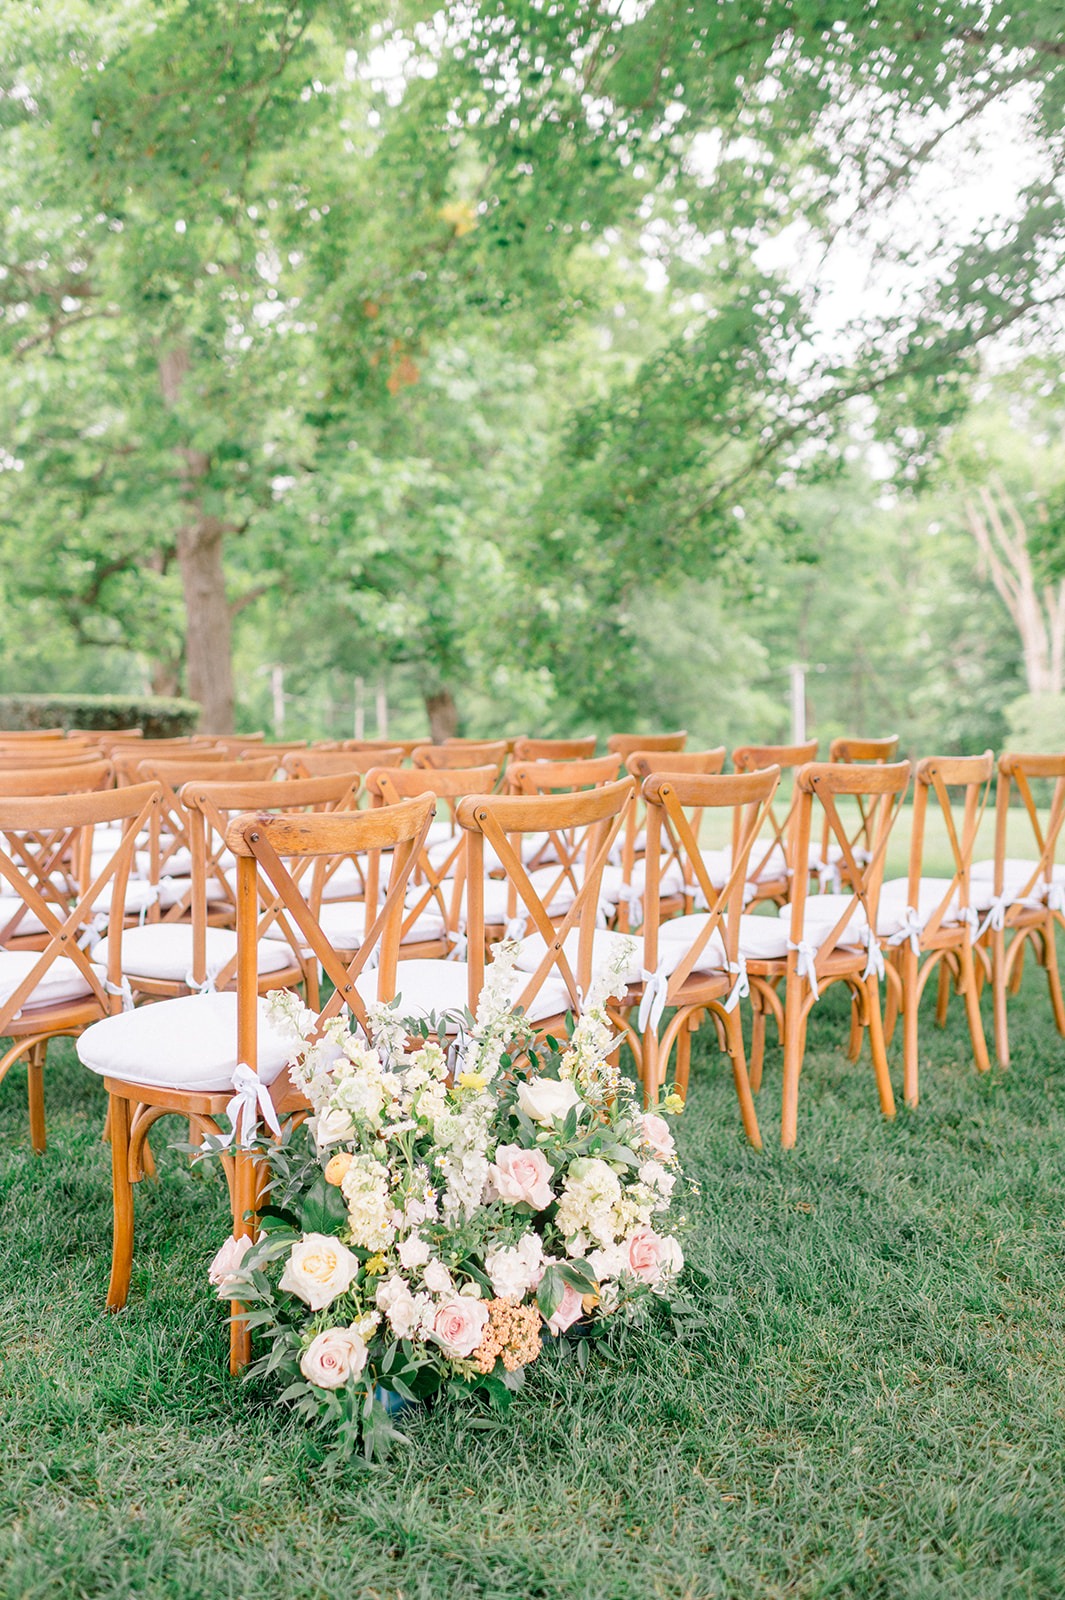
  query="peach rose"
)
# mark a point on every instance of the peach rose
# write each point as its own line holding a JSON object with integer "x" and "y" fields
{"x": 333, "y": 1357}
{"x": 522, "y": 1177}
{"x": 227, "y": 1262}
{"x": 318, "y": 1269}
{"x": 566, "y": 1313}
{"x": 459, "y": 1326}
{"x": 337, "y": 1166}
{"x": 656, "y": 1133}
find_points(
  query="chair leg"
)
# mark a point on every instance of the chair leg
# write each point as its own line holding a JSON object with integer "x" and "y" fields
{"x": 972, "y": 1008}
{"x": 757, "y": 1046}
{"x": 1053, "y": 975}
{"x": 35, "y": 1094}
{"x": 1017, "y": 970}
{"x": 892, "y": 991}
{"x": 244, "y": 1197}
{"x": 122, "y": 1190}
{"x": 876, "y": 1047}
{"x": 794, "y": 995}
{"x": 734, "y": 1045}
{"x": 942, "y": 993}
{"x": 998, "y": 990}
{"x": 684, "y": 1058}
{"x": 909, "y": 1026}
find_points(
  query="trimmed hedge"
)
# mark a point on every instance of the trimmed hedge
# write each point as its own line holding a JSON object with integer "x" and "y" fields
{"x": 105, "y": 713}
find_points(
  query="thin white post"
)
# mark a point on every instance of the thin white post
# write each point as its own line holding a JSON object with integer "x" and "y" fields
{"x": 277, "y": 687}
{"x": 797, "y": 672}
{"x": 360, "y": 708}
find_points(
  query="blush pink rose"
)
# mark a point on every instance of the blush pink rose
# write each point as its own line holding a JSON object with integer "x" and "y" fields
{"x": 522, "y": 1176}
{"x": 333, "y": 1357}
{"x": 656, "y": 1133}
{"x": 227, "y": 1262}
{"x": 459, "y": 1325}
{"x": 646, "y": 1255}
{"x": 566, "y": 1314}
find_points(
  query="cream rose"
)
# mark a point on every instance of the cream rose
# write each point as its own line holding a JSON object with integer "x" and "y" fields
{"x": 227, "y": 1262}
{"x": 334, "y": 1357}
{"x": 547, "y": 1100}
{"x": 656, "y": 1133}
{"x": 459, "y": 1326}
{"x": 437, "y": 1278}
{"x": 522, "y": 1177}
{"x": 318, "y": 1269}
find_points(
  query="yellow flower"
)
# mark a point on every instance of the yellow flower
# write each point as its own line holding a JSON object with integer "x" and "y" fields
{"x": 337, "y": 1166}
{"x": 460, "y": 216}
{"x": 674, "y": 1104}
{"x": 472, "y": 1080}
{"x": 376, "y": 1266}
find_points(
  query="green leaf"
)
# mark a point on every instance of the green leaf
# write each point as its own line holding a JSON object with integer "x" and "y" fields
{"x": 323, "y": 1209}
{"x": 551, "y": 1293}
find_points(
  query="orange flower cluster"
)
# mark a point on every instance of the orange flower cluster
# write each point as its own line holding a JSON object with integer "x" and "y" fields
{"x": 513, "y": 1333}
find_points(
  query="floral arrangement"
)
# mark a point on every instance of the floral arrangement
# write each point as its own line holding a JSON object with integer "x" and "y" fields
{"x": 441, "y": 1214}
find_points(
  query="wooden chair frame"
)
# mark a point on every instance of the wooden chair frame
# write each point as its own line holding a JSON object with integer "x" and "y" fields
{"x": 627, "y": 744}
{"x": 853, "y": 751}
{"x": 788, "y": 757}
{"x": 61, "y": 828}
{"x": 554, "y": 749}
{"x": 939, "y": 945}
{"x": 442, "y": 757}
{"x": 641, "y": 765}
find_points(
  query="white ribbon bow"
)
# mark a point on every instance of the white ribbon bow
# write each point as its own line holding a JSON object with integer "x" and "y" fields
{"x": 827, "y": 873}
{"x": 515, "y": 928}
{"x": 634, "y": 902}
{"x": 459, "y": 945}
{"x": 806, "y": 965}
{"x": 93, "y": 931}
{"x": 207, "y": 986}
{"x": 742, "y": 986}
{"x": 251, "y": 1097}
{"x": 912, "y": 928}
{"x": 124, "y": 990}
{"x": 150, "y": 897}
{"x": 1056, "y": 897}
{"x": 874, "y": 965}
{"x": 653, "y": 1003}
{"x": 996, "y": 915}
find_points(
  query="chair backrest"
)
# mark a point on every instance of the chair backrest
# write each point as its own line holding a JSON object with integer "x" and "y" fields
{"x": 211, "y": 807}
{"x": 755, "y": 758}
{"x": 31, "y": 735}
{"x": 169, "y": 837}
{"x": 441, "y": 756}
{"x": 76, "y": 777}
{"x": 883, "y": 787}
{"x": 46, "y": 856}
{"x": 672, "y": 800}
{"x": 554, "y": 749}
{"x": 626, "y": 744}
{"x": 406, "y": 745}
{"x": 265, "y": 846}
{"x": 440, "y": 882}
{"x": 326, "y": 763}
{"x": 705, "y": 763}
{"x": 845, "y": 748}
{"x": 582, "y": 827}
{"x": 1018, "y": 771}
{"x": 641, "y": 764}
{"x": 933, "y": 780}
{"x": 558, "y": 777}
{"x": 48, "y": 755}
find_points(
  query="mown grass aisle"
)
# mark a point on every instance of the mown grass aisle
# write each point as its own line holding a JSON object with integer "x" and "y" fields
{"x": 875, "y": 1408}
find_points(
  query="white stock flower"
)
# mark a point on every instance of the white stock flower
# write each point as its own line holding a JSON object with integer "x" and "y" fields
{"x": 366, "y": 1190}
{"x": 591, "y": 1191}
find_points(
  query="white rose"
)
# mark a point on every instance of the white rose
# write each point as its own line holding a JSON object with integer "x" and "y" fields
{"x": 318, "y": 1269}
{"x": 672, "y": 1257}
{"x": 413, "y": 1252}
{"x": 227, "y": 1262}
{"x": 334, "y": 1357}
{"x": 509, "y": 1273}
{"x": 437, "y": 1278}
{"x": 547, "y": 1100}
{"x": 332, "y": 1125}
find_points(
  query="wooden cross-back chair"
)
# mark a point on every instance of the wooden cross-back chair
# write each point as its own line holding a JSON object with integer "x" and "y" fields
{"x": 327, "y": 763}
{"x": 209, "y": 1057}
{"x": 552, "y": 777}
{"x": 627, "y": 744}
{"x": 19, "y": 928}
{"x": 40, "y": 757}
{"x": 928, "y": 924}
{"x": 169, "y": 845}
{"x": 770, "y": 867}
{"x": 557, "y": 912}
{"x": 56, "y": 989}
{"x": 628, "y": 877}
{"x": 440, "y": 757}
{"x": 1021, "y": 899}
{"x": 554, "y": 749}
{"x": 433, "y": 921}
{"x": 696, "y": 963}
{"x": 829, "y": 938}
{"x": 168, "y": 958}
{"x": 408, "y": 746}
{"x": 852, "y": 750}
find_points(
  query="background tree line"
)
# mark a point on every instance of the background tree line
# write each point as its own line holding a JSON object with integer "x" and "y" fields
{"x": 442, "y": 347}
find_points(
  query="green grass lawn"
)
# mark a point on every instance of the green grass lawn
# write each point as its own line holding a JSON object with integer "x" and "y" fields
{"x": 875, "y": 1408}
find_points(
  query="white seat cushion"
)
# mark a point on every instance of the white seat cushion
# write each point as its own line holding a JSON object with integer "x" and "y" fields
{"x": 761, "y": 939}
{"x": 139, "y": 896}
{"x": 348, "y": 882}
{"x": 174, "y": 890}
{"x": 163, "y": 951}
{"x": 10, "y": 904}
{"x": 823, "y": 911}
{"x": 344, "y": 924}
{"x": 496, "y": 895}
{"x": 606, "y": 947}
{"x": 63, "y": 980}
{"x": 189, "y": 1043}
{"x": 427, "y": 987}
{"x": 894, "y": 899}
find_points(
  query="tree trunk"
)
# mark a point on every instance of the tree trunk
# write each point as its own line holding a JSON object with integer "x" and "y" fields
{"x": 208, "y": 627}
{"x": 443, "y": 715}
